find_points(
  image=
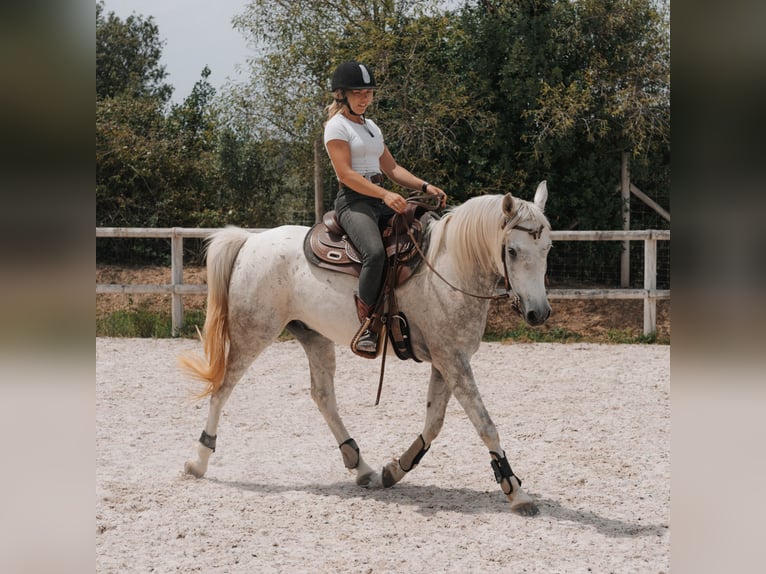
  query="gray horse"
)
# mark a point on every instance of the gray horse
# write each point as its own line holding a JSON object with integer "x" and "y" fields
{"x": 261, "y": 283}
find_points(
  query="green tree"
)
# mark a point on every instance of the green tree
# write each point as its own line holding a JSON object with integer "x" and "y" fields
{"x": 421, "y": 106}
{"x": 128, "y": 57}
{"x": 620, "y": 90}
{"x": 571, "y": 85}
{"x": 195, "y": 117}
{"x": 154, "y": 168}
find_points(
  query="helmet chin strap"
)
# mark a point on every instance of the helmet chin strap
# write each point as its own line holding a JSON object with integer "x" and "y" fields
{"x": 344, "y": 101}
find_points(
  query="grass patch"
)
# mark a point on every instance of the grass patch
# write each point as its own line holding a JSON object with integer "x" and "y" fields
{"x": 625, "y": 337}
{"x": 143, "y": 323}
{"x": 526, "y": 334}
{"x": 147, "y": 324}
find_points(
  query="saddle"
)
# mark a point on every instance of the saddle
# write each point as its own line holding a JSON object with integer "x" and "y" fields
{"x": 326, "y": 245}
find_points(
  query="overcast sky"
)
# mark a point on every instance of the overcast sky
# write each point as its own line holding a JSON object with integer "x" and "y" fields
{"x": 197, "y": 33}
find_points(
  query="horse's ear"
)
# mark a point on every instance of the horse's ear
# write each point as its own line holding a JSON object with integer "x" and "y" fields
{"x": 509, "y": 206}
{"x": 541, "y": 195}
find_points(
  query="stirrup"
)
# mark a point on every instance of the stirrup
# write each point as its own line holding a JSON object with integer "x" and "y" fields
{"x": 367, "y": 342}
{"x": 368, "y": 339}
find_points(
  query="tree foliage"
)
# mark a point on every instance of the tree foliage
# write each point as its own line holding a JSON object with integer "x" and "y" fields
{"x": 155, "y": 167}
{"x": 128, "y": 57}
{"x": 423, "y": 99}
{"x": 490, "y": 97}
{"x": 619, "y": 89}
{"x": 571, "y": 86}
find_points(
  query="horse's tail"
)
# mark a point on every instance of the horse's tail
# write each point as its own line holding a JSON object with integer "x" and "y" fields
{"x": 222, "y": 249}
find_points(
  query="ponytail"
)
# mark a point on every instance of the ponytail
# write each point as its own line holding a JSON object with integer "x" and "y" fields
{"x": 337, "y": 105}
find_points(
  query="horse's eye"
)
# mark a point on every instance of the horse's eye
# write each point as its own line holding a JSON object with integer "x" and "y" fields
{"x": 511, "y": 252}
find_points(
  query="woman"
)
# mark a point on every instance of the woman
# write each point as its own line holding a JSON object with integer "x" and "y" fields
{"x": 360, "y": 157}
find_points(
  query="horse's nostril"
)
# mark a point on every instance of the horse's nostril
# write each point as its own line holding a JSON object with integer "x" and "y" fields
{"x": 537, "y": 318}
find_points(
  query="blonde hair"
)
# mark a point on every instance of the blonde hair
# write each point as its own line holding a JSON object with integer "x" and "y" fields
{"x": 336, "y": 107}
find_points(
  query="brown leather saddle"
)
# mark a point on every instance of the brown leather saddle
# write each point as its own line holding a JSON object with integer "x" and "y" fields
{"x": 326, "y": 245}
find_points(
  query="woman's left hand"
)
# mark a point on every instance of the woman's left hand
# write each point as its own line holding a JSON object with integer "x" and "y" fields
{"x": 433, "y": 190}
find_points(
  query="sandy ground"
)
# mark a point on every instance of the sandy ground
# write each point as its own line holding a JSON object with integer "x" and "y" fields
{"x": 586, "y": 426}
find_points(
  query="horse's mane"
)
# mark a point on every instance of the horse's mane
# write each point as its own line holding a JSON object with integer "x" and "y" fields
{"x": 473, "y": 232}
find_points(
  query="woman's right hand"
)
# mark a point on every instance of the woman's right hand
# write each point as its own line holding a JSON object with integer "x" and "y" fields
{"x": 395, "y": 202}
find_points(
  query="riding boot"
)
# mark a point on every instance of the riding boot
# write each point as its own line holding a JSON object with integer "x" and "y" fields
{"x": 366, "y": 340}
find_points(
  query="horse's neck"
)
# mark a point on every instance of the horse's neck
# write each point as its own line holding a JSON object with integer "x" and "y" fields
{"x": 471, "y": 246}
{"x": 473, "y": 280}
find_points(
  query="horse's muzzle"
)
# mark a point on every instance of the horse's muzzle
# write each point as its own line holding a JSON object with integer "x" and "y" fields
{"x": 534, "y": 317}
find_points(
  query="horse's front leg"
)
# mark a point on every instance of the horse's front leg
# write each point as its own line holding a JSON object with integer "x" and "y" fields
{"x": 321, "y": 355}
{"x": 438, "y": 397}
{"x": 468, "y": 396}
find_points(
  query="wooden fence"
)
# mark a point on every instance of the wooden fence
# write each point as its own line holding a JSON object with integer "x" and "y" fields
{"x": 177, "y": 289}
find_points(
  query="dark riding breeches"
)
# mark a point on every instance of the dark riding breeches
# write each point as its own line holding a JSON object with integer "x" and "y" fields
{"x": 362, "y": 217}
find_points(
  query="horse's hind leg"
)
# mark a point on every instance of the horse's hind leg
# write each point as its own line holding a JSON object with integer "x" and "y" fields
{"x": 236, "y": 365}
{"x": 438, "y": 397}
{"x": 321, "y": 355}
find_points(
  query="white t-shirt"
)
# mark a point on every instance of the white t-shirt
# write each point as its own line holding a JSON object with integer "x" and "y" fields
{"x": 366, "y": 149}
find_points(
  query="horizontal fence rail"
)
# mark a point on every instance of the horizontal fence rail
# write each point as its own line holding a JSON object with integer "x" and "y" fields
{"x": 177, "y": 289}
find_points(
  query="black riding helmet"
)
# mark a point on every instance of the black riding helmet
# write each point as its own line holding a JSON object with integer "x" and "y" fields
{"x": 353, "y": 76}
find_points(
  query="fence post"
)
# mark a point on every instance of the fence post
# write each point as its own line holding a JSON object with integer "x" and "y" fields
{"x": 650, "y": 284}
{"x": 177, "y": 278}
{"x": 318, "y": 180}
{"x": 625, "y": 209}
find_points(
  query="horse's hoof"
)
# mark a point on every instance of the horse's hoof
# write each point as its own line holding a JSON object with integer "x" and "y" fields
{"x": 191, "y": 468}
{"x": 526, "y": 509}
{"x": 388, "y": 477}
{"x": 365, "y": 480}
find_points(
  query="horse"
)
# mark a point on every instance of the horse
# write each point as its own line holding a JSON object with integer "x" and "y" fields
{"x": 261, "y": 284}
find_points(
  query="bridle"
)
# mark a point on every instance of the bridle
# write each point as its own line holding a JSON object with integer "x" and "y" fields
{"x": 535, "y": 233}
{"x": 513, "y": 223}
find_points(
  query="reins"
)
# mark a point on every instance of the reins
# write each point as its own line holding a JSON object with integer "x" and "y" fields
{"x": 464, "y": 292}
